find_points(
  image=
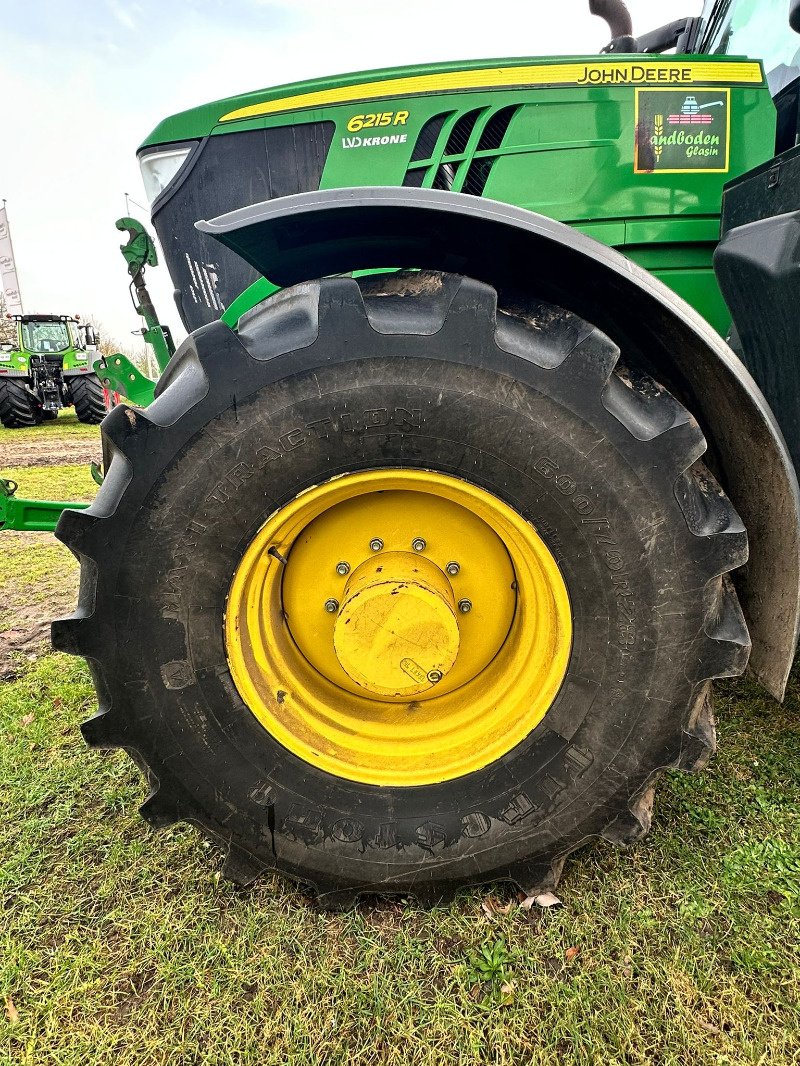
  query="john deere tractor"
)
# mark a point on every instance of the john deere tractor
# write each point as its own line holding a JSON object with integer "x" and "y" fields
{"x": 418, "y": 569}
{"x": 48, "y": 368}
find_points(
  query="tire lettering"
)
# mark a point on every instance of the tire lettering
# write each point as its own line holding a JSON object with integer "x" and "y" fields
{"x": 475, "y": 825}
{"x": 347, "y": 830}
{"x": 293, "y": 439}
{"x": 235, "y": 478}
{"x": 578, "y": 759}
{"x": 263, "y": 795}
{"x": 430, "y": 835}
{"x": 303, "y": 825}
{"x": 177, "y": 675}
{"x": 583, "y": 505}
{"x": 386, "y": 836}
{"x": 546, "y": 467}
{"x": 519, "y": 808}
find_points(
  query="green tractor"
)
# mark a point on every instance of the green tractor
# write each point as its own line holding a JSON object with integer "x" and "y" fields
{"x": 417, "y": 571}
{"x": 48, "y": 368}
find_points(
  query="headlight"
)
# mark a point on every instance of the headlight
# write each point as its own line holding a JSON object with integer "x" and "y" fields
{"x": 159, "y": 168}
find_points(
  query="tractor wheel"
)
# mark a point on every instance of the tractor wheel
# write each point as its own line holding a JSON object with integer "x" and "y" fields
{"x": 396, "y": 593}
{"x": 89, "y": 398}
{"x": 18, "y": 409}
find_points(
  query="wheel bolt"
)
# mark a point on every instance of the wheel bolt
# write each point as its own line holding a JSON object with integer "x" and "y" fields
{"x": 452, "y": 569}
{"x": 418, "y": 544}
{"x": 465, "y": 606}
{"x": 376, "y": 544}
{"x": 331, "y": 606}
{"x": 342, "y": 569}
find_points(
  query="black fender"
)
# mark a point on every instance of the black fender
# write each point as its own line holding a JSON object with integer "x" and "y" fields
{"x": 310, "y": 235}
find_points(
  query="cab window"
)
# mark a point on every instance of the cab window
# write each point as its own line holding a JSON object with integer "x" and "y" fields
{"x": 755, "y": 28}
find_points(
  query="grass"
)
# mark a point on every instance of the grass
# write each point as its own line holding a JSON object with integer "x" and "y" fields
{"x": 38, "y": 575}
{"x": 122, "y": 945}
{"x": 66, "y": 426}
{"x": 65, "y": 483}
{"x": 118, "y": 945}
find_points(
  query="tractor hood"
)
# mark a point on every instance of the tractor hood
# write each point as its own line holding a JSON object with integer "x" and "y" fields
{"x": 454, "y": 77}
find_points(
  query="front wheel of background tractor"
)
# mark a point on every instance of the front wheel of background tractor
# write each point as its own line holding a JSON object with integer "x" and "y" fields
{"x": 89, "y": 398}
{"x": 395, "y": 593}
{"x": 18, "y": 409}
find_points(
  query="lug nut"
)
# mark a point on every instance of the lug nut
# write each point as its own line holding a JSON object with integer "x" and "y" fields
{"x": 452, "y": 569}
{"x": 331, "y": 606}
{"x": 435, "y": 676}
{"x": 465, "y": 606}
{"x": 342, "y": 569}
{"x": 418, "y": 544}
{"x": 376, "y": 544}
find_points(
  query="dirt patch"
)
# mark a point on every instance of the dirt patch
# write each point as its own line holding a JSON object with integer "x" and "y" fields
{"x": 38, "y": 582}
{"x": 29, "y": 638}
{"x": 15, "y": 450}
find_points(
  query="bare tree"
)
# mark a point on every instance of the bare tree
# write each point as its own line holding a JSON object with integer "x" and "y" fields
{"x": 142, "y": 358}
{"x": 8, "y": 327}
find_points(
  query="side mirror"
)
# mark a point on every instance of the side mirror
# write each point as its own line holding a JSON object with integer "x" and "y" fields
{"x": 794, "y": 15}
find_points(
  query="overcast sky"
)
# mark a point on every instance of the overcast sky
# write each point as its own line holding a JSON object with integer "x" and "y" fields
{"x": 83, "y": 83}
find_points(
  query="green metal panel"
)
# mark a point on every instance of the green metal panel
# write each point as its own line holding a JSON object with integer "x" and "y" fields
{"x": 30, "y": 515}
{"x": 569, "y": 150}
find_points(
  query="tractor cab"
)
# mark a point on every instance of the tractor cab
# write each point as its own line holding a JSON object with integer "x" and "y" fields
{"x": 48, "y": 336}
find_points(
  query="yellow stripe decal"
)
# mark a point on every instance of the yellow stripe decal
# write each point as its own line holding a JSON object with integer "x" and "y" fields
{"x": 590, "y": 74}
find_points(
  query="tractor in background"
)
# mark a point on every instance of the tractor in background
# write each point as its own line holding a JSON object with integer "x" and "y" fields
{"x": 51, "y": 366}
{"x": 107, "y": 376}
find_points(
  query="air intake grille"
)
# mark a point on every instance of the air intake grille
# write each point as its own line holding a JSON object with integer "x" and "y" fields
{"x": 428, "y": 136}
{"x": 461, "y": 132}
{"x": 495, "y": 129}
{"x": 458, "y": 151}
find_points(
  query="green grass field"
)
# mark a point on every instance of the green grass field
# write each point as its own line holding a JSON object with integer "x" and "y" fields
{"x": 66, "y": 428}
{"x": 119, "y": 945}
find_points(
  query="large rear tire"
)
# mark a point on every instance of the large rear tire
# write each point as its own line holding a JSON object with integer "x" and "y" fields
{"x": 18, "y": 409}
{"x": 89, "y": 398}
{"x": 341, "y": 384}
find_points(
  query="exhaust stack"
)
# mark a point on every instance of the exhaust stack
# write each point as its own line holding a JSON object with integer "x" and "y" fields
{"x": 616, "y": 14}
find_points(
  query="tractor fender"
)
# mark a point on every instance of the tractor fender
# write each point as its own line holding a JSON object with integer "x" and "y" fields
{"x": 310, "y": 235}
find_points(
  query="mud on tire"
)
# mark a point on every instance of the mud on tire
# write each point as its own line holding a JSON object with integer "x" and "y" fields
{"x": 419, "y": 371}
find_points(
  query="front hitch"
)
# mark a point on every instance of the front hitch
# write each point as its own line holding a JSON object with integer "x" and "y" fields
{"x": 30, "y": 516}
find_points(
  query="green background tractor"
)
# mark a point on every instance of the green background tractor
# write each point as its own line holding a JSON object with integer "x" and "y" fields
{"x": 418, "y": 569}
{"x": 49, "y": 368}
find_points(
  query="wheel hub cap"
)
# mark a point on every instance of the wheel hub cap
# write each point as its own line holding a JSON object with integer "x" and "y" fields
{"x": 397, "y": 633}
{"x": 398, "y": 627}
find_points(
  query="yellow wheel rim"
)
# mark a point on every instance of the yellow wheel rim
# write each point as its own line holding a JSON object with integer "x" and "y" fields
{"x": 398, "y": 627}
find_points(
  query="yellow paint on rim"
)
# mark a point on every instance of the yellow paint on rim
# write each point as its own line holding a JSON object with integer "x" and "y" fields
{"x": 608, "y": 73}
{"x": 369, "y": 727}
{"x": 396, "y": 634}
{"x": 397, "y": 517}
